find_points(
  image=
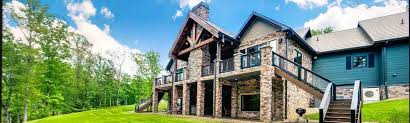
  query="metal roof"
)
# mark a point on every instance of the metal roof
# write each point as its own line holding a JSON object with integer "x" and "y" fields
{"x": 387, "y": 27}
{"x": 340, "y": 40}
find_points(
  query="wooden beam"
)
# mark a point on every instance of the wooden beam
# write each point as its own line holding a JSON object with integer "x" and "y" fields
{"x": 207, "y": 26}
{"x": 199, "y": 34}
{"x": 207, "y": 41}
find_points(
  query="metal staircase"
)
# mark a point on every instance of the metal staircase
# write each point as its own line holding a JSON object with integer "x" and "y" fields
{"x": 300, "y": 76}
{"x": 331, "y": 110}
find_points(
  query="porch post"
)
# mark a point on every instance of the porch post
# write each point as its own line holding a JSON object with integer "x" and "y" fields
{"x": 200, "y": 98}
{"x": 155, "y": 100}
{"x": 266, "y": 84}
{"x": 185, "y": 98}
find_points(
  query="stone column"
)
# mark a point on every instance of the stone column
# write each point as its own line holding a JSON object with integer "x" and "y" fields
{"x": 174, "y": 99}
{"x": 234, "y": 104}
{"x": 169, "y": 102}
{"x": 278, "y": 103}
{"x": 200, "y": 98}
{"x": 155, "y": 100}
{"x": 218, "y": 98}
{"x": 266, "y": 84}
{"x": 185, "y": 99}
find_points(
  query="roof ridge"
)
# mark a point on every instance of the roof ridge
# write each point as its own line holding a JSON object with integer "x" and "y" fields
{"x": 336, "y": 31}
{"x": 383, "y": 16}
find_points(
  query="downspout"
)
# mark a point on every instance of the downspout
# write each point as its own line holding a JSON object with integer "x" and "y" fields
{"x": 384, "y": 68}
{"x": 286, "y": 81}
{"x": 216, "y": 61}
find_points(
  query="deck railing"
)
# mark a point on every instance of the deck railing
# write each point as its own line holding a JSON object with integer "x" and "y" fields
{"x": 227, "y": 65}
{"x": 207, "y": 70}
{"x": 303, "y": 74}
{"x": 356, "y": 104}
{"x": 327, "y": 98}
{"x": 251, "y": 60}
{"x": 163, "y": 80}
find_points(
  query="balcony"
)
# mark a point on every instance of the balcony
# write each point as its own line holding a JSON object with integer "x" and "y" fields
{"x": 163, "y": 80}
{"x": 179, "y": 75}
{"x": 227, "y": 65}
{"x": 207, "y": 70}
{"x": 251, "y": 60}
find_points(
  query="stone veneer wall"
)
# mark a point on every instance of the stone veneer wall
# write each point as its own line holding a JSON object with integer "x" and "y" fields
{"x": 278, "y": 107}
{"x": 297, "y": 98}
{"x": 185, "y": 98}
{"x": 200, "y": 98}
{"x": 176, "y": 94}
{"x": 244, "y": 87}
{"x": 398, "y": 91}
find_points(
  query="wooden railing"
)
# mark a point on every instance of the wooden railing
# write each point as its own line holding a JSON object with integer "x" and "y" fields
{"x": 327, "y": 98}
{"x": 227, "y": 65}
{"x": 207, "y": 70}
{"x": 305, "y": 75}
{"x": 251, "y": 60}
{"x": 355, "y": 108}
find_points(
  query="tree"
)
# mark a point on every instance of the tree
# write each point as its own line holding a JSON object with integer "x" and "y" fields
{"x": 322, "y": 31}
{"x": 148, "y": 69}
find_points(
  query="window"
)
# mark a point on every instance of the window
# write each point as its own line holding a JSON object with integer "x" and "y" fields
{"x": 250, "y": 102}
{"x": 359, "y": 61}
{"x": 298, "y": 57}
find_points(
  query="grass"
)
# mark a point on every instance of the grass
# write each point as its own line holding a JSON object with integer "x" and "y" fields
{"x": 390, "y": 111}
{"x": 119, "y": 114}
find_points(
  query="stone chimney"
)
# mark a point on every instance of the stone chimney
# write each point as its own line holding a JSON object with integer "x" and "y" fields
{"x": 202, "y": 10}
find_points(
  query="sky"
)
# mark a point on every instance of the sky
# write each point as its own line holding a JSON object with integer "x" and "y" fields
{"x": 122, "y": 27}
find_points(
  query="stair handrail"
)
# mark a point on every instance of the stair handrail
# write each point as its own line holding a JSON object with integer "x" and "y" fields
{"x": 356, "y": 102}
{"x": 318, "y": 86}
{"x": 324, "y": 105}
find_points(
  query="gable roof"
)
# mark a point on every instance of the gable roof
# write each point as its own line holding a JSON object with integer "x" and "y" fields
{"x": 304, "y": 32}
{"x": 387, "y": 27}
{"x": 366, "y": 34}
{"x": 282, "y": 27}
{"x": 192, "y": 18}
{"x": 340, "y": 40}
{"x": 255, "y": 16}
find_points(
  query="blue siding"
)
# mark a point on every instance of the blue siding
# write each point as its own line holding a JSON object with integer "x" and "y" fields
{"x": 397, "y": 62}
{"x": 333, "y": 67}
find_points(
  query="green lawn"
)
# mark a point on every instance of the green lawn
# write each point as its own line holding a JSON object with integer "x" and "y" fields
{"x": 120, "y": 114}
{"x": 390, "y": 111}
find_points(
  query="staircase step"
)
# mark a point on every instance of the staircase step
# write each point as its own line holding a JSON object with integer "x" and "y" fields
{"x": 335, "y": 122}
{"x": 340, "y": 119}
{"x": 340, "y": 106}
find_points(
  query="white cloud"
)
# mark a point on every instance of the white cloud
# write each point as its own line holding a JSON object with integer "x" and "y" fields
{"x": 106, "y": 12}
{"x": 347, "y": 17}
{"x": 187, "y": 4}
{"x": 177, "y": 14}
{"x": 16, "y": 7}
{"x": 103, "y": 42}
{"x": 277, "y": 8}
{"x": 308, "y": 3}
{"x": 190, "y": 3}
{"x": 106, "y": 28}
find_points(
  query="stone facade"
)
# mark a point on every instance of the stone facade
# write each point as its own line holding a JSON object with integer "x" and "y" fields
{"x": 218, "y": 98}
{"x": 251, "y": 86}
{"x": 278, "y": 107}
{"x": 267, "y": 72}
{"x": 185, "y": 98}
{"x": 202, "y": 11}
{"x": 398, "y": 91}
{"x": 200, "y": 102}
{"x": 296, "y": 98}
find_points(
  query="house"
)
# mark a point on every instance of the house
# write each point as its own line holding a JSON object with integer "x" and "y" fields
{"x": 268, "y": 70}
